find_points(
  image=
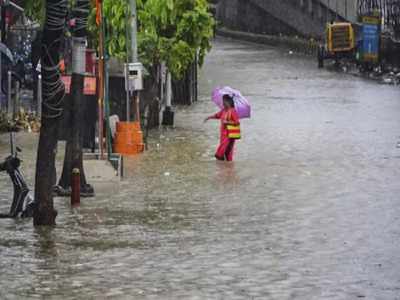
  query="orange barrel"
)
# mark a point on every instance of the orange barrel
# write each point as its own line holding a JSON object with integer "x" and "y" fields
{"x": 128, "y": 138}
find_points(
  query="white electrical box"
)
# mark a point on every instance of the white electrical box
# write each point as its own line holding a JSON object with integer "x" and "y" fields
{"x": 134, "y": 77}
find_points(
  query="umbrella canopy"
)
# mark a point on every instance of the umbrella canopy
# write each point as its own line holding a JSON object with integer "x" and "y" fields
{"x": 242, "y": 106}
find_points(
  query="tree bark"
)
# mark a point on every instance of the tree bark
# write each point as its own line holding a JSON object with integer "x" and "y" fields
{"x": 153, "y": 103}
{"x": 53, "y": 94}
{"x": 73, "y": 152}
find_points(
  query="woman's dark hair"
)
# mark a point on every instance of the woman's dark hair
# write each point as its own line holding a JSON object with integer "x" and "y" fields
{"x": 229, "y": 100}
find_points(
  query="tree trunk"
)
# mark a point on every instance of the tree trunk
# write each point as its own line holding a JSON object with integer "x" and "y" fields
{"x": 153, "y": 103}
{"x": 73, "y": 152}
{"x": 150, "y": 100}
{"x": 53, "y": 94}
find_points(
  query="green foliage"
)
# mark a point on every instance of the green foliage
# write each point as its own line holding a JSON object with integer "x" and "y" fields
{"x": 116, "y": 13}
{"x": 174, "y": 31}
{"x": 35, "y": 10}
{"x": 170, "y": 31}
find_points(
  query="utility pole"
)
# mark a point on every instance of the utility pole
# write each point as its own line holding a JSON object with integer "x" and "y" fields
{"x": 133, "y": 142}
{"x": 100, "y": 24}
{"x": 134, "y": 58}
{"x": 2, "y": 29}
{"x": 134, "y": 48}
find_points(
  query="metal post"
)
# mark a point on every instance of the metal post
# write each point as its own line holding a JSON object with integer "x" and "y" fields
{"x": 128, "y": 95}
{"x": 75, "y": 188}
{"x": 134, "y": 48}
{"x": 137, "y": 101}
{"x": 121, "y": 166}
{"x": 168, "y": 115}
{"x": 107, "y": 108}
{"x": 163, "y": 79}
{"x": 101, "y": 80}
{"x": 196, "y": 78}
{"x": 128, "y": 107}
{"x": 162, "y": 91}
{"x": 11, "y": 111}
{"x": 17, "y": 101}
{"x": 1, "y": 77}
{"x": 1, "y": 63}
{"x": 168, "y": 102}
{"x": 12, "y": 143}
{"x": 39, "y": 97}
{"x": 10, "y": 108}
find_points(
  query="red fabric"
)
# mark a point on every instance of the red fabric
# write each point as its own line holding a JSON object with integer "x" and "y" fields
{"x": 226, "y": 146}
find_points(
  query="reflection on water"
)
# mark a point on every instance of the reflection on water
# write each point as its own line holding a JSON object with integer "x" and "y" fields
{"x": 308, "y": 210}
{"x": 226, "y": 174}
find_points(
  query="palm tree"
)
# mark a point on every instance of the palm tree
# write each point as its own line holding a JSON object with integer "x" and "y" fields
{"x": 73, "y": 152}
{"x": 53, "y": 95}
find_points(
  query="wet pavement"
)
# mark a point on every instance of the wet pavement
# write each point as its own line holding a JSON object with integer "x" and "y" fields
{"x": 309, "y": 209}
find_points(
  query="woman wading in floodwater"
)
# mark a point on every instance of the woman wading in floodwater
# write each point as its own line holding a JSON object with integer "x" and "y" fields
{"x": 230, "y": 131}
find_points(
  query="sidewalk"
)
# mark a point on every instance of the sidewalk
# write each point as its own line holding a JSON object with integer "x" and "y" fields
{"x": 100, "y": 173}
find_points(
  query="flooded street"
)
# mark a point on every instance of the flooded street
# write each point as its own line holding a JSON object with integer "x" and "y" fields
{"x": 309, "y": 210}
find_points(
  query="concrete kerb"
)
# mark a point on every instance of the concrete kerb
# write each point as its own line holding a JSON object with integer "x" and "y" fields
{"x": 296, "y": 44}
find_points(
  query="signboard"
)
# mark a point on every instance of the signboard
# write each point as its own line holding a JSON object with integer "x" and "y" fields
{"x": 370, "y": 20}
{"x": 371, "y": 39}
{"x": 89, "y": 88}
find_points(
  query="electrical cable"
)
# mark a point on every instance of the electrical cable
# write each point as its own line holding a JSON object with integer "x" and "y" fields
{"x": 53, "y": 90}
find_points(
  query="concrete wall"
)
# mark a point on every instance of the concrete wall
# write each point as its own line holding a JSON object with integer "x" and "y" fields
{"x": 346, "y": 8}
{"x": 244, "y": 15}
{"x": 305, "y": 18}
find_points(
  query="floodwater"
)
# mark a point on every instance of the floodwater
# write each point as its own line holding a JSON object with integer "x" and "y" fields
{"x": 309, "y": 210}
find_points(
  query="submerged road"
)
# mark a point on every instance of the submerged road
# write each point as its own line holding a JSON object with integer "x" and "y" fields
{"x": 309, "y": 210}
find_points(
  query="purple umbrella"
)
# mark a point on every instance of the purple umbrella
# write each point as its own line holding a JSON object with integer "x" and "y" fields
{"x": 242, "y": 106}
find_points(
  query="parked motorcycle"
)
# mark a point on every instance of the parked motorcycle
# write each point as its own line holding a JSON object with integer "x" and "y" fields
{"x": 22, "y": 204}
